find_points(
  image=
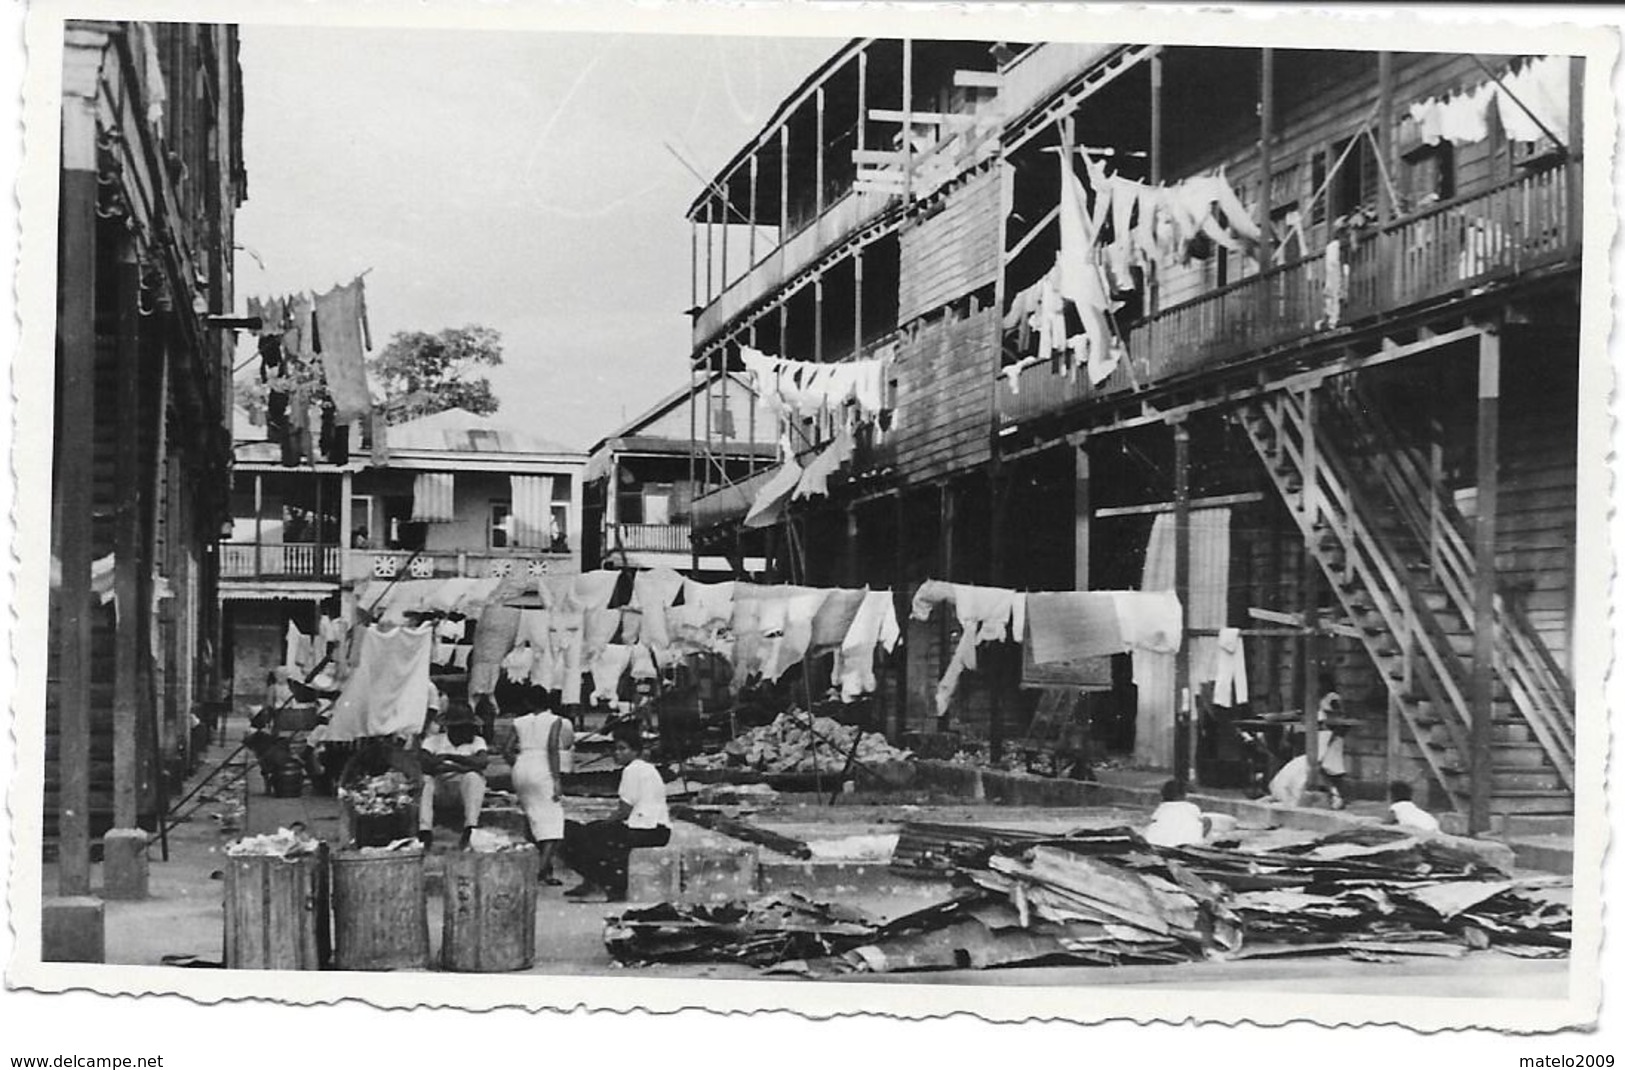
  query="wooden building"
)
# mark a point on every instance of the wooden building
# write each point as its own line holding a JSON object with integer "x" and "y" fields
{"x": 638, "y": 492}
{"x": 1358, "y": 413}
{"x": 442, "y": 507}
{"x": 151, "y": 176}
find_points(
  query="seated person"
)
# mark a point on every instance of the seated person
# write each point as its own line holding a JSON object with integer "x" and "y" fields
{"x": 599, "y": 850}
{"x": 1406, "y": 814}
{"x": 454, "y": 757}
{"x": 1177, "y": 822}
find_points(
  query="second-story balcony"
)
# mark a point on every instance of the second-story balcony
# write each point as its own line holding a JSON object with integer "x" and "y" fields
{"x": 648, "y": 538}
{"x": 1449, "y": 249}
{"x": 280, "y": 561}
{"x": 453, "y": 564}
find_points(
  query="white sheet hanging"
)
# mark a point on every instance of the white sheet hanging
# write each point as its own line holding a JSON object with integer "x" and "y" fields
{"x": 434, "y": 497}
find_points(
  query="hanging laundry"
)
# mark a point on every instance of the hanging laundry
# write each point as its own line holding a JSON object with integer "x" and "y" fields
{"x": 875, "y": 624}
{"x": 996, "y": 612}
{"x": 653, "y": 592}
{"x": 297, "y": 647}
{"x": 1080, "y": 280}
{"x": 831, "y": 459}
{"x": 835, "y": 617}
{"x": 1068, "y": 626}
{"x": 389, "y": 691}
{"x": 770, "y": 501}
{"x": 800, "y": 611}
{"x": 643, "y": 663}
{"x": 1541, "y": 87}
{"x": 807, "y": 390}
{"x": 594, "y": 590}
{"x": 493, "y": 637}
{"x": 1335, "y": 284}
{"x": 339, "y": 315}
{"x": 1230, "y": 669}
{"x": 606, "y": 669}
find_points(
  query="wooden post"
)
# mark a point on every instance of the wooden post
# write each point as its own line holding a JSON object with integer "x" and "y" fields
{"x": 998, "y": 489}
{"x": 784, "y": 195}
{"x": 1266, "y": 143}
{"x": 755, "y": 396}
{"x": 127, "y": 544}
{"x": 259, "y": 523}
{"x": 908, "y": 120}
{"x": 1182, "y": 590}
{"x": 751, "y": 246}
{"x": 818, "y": 319}
{"x": 1153, "y": 301}
{"x": 1385, "y": 135}
{"x": 1489, "y": 475}
{"x": 1082, "y": 511}
{"x": 726, "y": 223}
{"x": 899, "y": 590}
{"x": 857, "y": 303}
{"x": 1576, "y": 184}
{"x": 1309, "y": 606}
{"x": 710, "y": 267}
{"x": 818, "y": 163}
{"x": 854, "y": 563}
{"x": 863, "y": 98}
{"x": 75, "y": 434}
{"x": 693, "y": 266}
{"x": 695, "y": 488}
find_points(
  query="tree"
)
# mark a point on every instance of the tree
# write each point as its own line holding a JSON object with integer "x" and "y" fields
{"x": 421, "y": 374}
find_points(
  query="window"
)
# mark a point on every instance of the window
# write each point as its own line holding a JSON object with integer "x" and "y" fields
{"x": 561, "y": 528}
{"x": 722, "y": 421}
{"x": 501, "y": 530}
{"x": 361, "y": 532}
{"x": 657, "y": 503}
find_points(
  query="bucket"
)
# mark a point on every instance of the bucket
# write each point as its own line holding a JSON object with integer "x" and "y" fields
{"x": 380, "y": 911}
{"x": 277, "y": 912}
{"x": 288, "y": 782}
{"x": 490, "y": 911}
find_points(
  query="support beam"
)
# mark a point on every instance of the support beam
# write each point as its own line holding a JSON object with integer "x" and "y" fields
{"x": 750, "y": 251}
{"x": 1182, "y": 590}
{"x": 127, "y": 546}
{"x": 1082, "y": 514}
{"x": 710, "y": 264}
{"x": 784, "y": 192}
{"x": 899, "y": 662}
{"x": 818, "y": 164}
{"x": 1308, "y": 685}
{"x": 1484, "y": 524}
{"x": 908, "y": 124}
{"x": 1153, "y": 301}
{"x": 76, "y": 342}
{"x": 1266, "y": 143}
{"x": 1385, "y": 136}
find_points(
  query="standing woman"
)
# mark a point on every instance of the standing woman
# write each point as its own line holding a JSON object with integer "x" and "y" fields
{"x": 540, "y": 750}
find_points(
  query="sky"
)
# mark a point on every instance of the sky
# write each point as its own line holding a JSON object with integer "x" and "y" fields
{"x": 517, "y": 180}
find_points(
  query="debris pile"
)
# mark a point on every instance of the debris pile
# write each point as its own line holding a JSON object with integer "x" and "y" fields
{"x": 793, "y": 743}
{"x": 385, "y": 793}
{"x": 1106, "y": 897}
{"x": 283, "y": 843}
{"x": 760, "y": 933}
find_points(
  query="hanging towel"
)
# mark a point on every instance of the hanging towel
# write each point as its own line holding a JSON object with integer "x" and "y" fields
{"x": 298, "y": 648}
{"x": 606, "y": 670}
{"x": 874, "y": 624}
{"x": 768, "y": 508}
{"x": 653, "y": 592}
{"x": 1230, "y": 668}
{"x": 594, "y": 590}
{"x": 835, "y": 617}
{"x": 532, "y": 510}
{"x": 1068, "y": 626}
{"x": 389, "y": 691}
{"x": 338, "y": 321}
{"x": 964, "y": 658}
{"x": 799, "y": 614}
{"x": 493, "y": 638}
{"x": 434, "y": 498}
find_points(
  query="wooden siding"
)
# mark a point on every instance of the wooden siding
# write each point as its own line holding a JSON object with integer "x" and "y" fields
{"x": 951, "y": 252}
{"x": 942, "y": 419}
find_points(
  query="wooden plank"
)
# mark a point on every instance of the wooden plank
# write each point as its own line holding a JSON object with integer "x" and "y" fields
{"x": 978, "y": 79}
{"x": 128, "y": 555}
{"x": 1481, "y": 787}
{"x": 76, "y": 333}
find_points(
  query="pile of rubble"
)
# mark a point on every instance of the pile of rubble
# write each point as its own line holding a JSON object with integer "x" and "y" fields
{"x": 1106, "y": 897}
{"x": 795, "y": 743}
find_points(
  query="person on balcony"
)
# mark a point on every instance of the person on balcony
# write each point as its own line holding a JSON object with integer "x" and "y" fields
{"x": 359, "y": 539}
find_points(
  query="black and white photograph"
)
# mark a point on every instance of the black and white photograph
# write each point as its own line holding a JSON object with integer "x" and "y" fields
{"x": 1029, "y": 512}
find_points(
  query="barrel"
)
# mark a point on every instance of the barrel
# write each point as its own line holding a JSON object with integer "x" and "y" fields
{"x": 375, "y": 830}
{"x": 380, "y": 911}
{"x": 490, "y": 911}
{"x": 288, "y": 782}
{"x": 277, "y": 912}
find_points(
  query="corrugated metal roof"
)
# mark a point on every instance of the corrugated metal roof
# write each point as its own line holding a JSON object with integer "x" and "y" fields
{"x": 460, "y": 431}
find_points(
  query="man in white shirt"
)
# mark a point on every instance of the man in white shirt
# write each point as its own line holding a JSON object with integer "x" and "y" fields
{"x": 454, "y": 757}
{"x": 599, "y": 850}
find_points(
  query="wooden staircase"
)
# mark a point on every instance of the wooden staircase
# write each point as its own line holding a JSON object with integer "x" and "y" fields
{"x": 1394, "y": 552}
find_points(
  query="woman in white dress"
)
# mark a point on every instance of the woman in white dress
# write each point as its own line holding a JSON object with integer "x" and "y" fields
{"x": 540, "y": 750}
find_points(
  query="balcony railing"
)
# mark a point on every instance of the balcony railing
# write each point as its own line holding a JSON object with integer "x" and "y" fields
{"x": 453, "y": 564}
{"x": 280, "y": 561}
{"x": 1448, "y": 249}
{"x": 649, "y": 538}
